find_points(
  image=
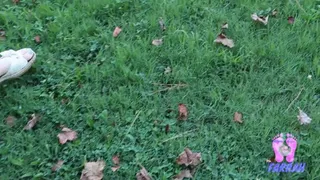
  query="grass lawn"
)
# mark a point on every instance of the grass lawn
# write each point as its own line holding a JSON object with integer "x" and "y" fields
{"x": 107, "y": 89}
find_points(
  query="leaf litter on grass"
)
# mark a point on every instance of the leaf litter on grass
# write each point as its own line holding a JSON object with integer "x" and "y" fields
{"x": 32, "y": 122}
{"x": 183, "y": 112}
{"x": 190, "y": 160}
{"x": 57, "y": 166}
{"x": 303, "y": 118}
{"x": 143, "y": 174}
{"x": 116, "y": 31}
{"x": 222, "y": 39}
{"x": 93, "y": 171}
{"x": 237, "y": 117}
{"x": 116, "y": 163}
{"x": 67, "y": 135}
{"x": 10, "y": 121}
{"x": 261, "y": 19}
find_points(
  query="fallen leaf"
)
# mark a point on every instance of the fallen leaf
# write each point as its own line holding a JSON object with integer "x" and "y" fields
{"x": 167, "y": 129}
{"x": 67, "y": 134}
{"x": 157, "y": 42}
{"x": 2, "y": 35}
{"x": 15, "y": 1}
{"x": 93, "y": 171}
{"x": 271, "y": 160}
{"x": 31, "y": 123}
{"x": 274, "y": 12}
{"x": 143, "y": 174}
{"x": 187, "y": 157}
{"x": 162, "y": 25}
{"x": 290, "y": 20}
{"x": 10, "y": 120}
{"x": 183, "y": 174}
{"x": 116, "y": 162}
{"x": 167, "y": 70}
{"x": 57, "y": 166}
{"x": 117, "y": 31}
{"x": 183, "y": 112}
{"x": 237, "y": 117}
{"x": 224, "y": 40}
{"x": 261, "y": 19}
{"x": 303, "y": 117}
{"x": 225, "y": 26}
{"x": 37, "y": 39}
{"x": 115, "y": 168}
{"x": 309, "y": 76}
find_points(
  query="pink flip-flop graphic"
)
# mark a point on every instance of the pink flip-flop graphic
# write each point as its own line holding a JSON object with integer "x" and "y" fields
{"x": 277, "y": 142}
{"x": 292, "y": 143}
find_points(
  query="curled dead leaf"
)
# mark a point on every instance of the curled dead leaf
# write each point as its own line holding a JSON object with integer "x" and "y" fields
{"x": 224, "y": 40}
{"x": 183, "y": 112}
{"x": 225, "y": 26}
{"x": 183, "y": 174}
{"x": 10, "y": 120}
{"x": 117, "y": 31}
{"x": 261, "y": 19}
{"x": 237, "y": 117}
{"x": 2, "y": 35}
{"x": 162, "y": 25}
{"x": 291, "y": 20}
{"x": 157, "y": 42}
{"x": 116, "y": 162}
{"x": 31, "y": 123}
{"x": 93, "y": 171}
{"x": 67, "y": 135}
{"x": 143, "y": 174}
{"x": 274, "y": 12}
{"x": 303, "y": 117}
{"x": 167, "y": 129}
{"x": 57, "y": 166}
{"x": 187, "y": 157}
{"x": 37, "y": 39}
{"x": 167, "y": 70}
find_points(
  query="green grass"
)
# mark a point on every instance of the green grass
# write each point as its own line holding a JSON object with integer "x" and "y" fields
{"x": 109, "y": 80}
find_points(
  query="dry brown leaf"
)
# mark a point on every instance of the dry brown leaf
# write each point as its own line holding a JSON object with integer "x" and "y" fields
{"x": 183, "y": 112}
{"x": 37, "y": 39}
{"x": 225, "y": 26}
{"x": 117, "y": 31}
{"x": 116, "y": 162}
{"x": 67, "y": 135}
{"x": 10, "y": 120}
{"x": 57, "y": 166}
{"x": 2, "y": 35}
{"x": 157, "y": 42}
{"x": 187, "y": 157}
{"x": 143, "y": 174}
{"x": 167, "y": 70}
{"x": 303, "y": 117}
{"x": 93, "y": 171}
{"x": 224, "y": 40}
{"x": 162, "y": 25}
{"x": 183, "y": 174}
{"x": 115, "y": 168}
{"x": 167, "y": 129}
{"x": 274, "y": 12}
{"x": 291, "y": 20}
{"x": 237, "y": 117}
{"x": 261, "y": 19}
{"x": 31, "y": 123}
{"x": 15, "y": 1}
